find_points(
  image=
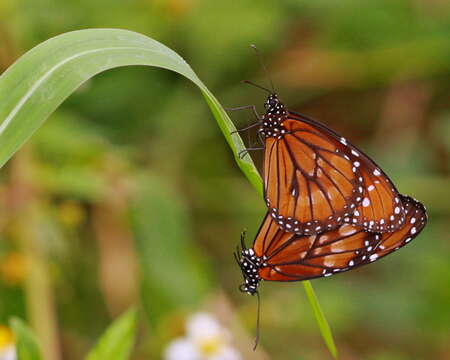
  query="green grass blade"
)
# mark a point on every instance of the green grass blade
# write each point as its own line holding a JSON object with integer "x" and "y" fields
{"x": 26, "y": 344}
{"x": 35, "y": 85}
{"x": 117, "y": 341}
{"x": 320, "y": 318}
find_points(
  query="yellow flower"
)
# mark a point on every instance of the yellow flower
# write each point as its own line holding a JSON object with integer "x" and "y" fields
{"x": 6, "y": 337}
{"x": 12, "y": 268}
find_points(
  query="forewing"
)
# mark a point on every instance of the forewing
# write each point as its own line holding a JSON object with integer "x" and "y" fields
{"x": 315, "y": 180}
{"x": 381, "y": 209}
{"x": 311, "y": 184}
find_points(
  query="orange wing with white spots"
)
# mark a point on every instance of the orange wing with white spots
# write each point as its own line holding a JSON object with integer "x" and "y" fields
{"x": 315, "y": 181}
{"x": 288, "y": 256}
{"x": 310, "y": 182}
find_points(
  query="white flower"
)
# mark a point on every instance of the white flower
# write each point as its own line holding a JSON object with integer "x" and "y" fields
{"x": 8, "y": 353}
{"x": 205, "y": 339}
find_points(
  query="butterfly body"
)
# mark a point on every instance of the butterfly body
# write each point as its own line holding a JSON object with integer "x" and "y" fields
{"x": 250, "y": 265}
{"x": 272, "y": 120}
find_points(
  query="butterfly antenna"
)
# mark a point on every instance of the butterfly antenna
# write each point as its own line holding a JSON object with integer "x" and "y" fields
{"x": 243, "y": 240}
{"x": 258, "y": 316}
{"x": 263, "y": 65}
{"x": 258, "y": 86}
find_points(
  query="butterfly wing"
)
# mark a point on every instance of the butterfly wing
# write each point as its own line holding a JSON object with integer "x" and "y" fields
{"x": 415, "y": 221}
{"x": 315, "y": 180}
{"x": 292, "y": 257}
{"x": 381, "y": 209}
{"x": 310, "y": 182}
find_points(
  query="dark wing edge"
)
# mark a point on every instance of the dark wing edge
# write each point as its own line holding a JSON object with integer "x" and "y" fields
{"x": 390, "y": 223}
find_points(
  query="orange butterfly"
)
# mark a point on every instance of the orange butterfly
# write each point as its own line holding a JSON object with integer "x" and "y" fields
{"x": 315, "y": 180}
{"x": 277, "y": 255}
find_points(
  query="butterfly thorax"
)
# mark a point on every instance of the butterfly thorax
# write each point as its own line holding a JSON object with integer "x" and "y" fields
{"x": 272, "y": 120}
{"x": 250, "y": 265}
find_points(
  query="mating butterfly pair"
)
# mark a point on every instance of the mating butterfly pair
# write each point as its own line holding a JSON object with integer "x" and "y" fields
{"x": 330, "y": 207}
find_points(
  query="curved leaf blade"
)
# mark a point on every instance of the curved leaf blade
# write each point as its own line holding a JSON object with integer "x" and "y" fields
{"x": 33, "y": 87}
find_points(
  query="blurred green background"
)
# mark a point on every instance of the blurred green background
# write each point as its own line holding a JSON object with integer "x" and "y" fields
{"x": 129, "y": 194}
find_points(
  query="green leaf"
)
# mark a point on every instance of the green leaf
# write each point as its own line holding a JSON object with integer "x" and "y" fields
{"x": 117, "y": 341}
{"x": 320, "y": 318}
{"x": 26, "y": 344}
{"x": 33, "y": 87}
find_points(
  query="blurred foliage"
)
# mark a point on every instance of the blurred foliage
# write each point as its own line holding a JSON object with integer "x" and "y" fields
{"x": 122, "y": 176}
{"x": 27, "y": 347}
{"x": 117, "y": 342}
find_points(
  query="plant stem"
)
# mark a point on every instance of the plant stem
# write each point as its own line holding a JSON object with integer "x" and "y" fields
{"x": 320, "y": 318}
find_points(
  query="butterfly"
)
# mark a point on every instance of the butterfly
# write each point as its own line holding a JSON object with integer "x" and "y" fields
{"x": 277, "y": 255}
{"x": 315, "y": 180}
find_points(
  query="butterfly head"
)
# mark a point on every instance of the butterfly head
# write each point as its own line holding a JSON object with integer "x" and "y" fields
{"x": 250, "y": 265}
{"x": 273, "y": 105}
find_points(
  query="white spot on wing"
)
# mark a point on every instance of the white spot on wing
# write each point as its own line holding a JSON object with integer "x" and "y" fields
{"x": 366, "y": 202}
{"x": 373, "y": 257}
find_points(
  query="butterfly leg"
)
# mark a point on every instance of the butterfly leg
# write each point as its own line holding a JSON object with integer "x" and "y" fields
{"x": 244, "y": 152}
{"x": 261, "y": 139}
{"x": 253, "y": 107}
{"x": 248, "y": 127}
{"x": 257, "y": 116}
